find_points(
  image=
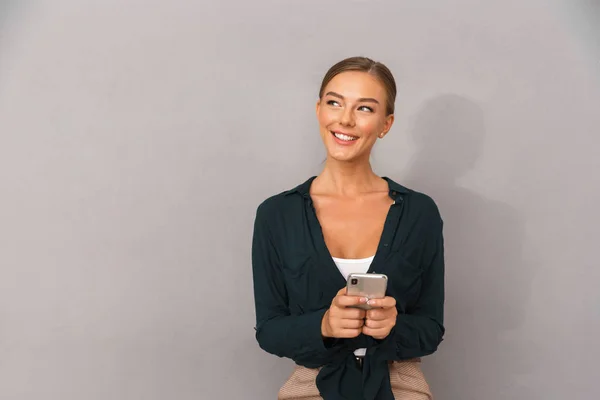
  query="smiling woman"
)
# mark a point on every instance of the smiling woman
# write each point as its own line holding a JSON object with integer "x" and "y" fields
{"x": 355, "y": 107}
{"x": 308, "y": 240}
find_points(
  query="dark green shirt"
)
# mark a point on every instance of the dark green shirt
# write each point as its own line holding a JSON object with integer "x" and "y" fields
{"x": 295, "y": 280}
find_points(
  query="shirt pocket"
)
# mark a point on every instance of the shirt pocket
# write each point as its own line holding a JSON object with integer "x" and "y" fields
{"x": 303, "y": 282}
{"x": 404, "y": 280}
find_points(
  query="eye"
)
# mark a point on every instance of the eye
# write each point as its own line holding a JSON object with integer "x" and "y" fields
{"x": 365, "y": 108}
{"x": 333, "y": 103}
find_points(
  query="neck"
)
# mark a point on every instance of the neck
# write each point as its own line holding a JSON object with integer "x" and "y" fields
{"x": 348, "y": 179}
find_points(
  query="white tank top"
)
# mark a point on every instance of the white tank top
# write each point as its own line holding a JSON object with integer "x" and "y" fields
{"x": 349, "y": 266}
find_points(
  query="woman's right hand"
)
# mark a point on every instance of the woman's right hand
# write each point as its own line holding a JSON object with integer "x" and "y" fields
{"x": 341, "y": 320}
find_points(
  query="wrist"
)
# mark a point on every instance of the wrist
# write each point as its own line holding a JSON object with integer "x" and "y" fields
{"x": 325, "y": 326}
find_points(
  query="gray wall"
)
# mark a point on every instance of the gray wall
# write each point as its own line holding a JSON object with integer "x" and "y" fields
{"x": 138, "y": 137}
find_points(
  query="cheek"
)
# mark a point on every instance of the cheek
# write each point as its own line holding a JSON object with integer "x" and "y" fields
{"x": 370, "y": 127}
{"x": 325, "y": 118}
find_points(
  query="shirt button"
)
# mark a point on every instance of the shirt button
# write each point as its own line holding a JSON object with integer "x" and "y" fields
{"x": 393, "y": 193}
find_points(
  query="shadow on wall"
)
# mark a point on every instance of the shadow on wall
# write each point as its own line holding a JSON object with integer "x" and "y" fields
{"x": 483, "y": 355}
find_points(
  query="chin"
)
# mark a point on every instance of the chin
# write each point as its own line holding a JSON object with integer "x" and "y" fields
{"x": 341, "y": 156}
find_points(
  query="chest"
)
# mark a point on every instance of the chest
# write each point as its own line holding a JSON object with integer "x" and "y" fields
{"x": 349, "y": 231}
{"x": 352, "y": 228}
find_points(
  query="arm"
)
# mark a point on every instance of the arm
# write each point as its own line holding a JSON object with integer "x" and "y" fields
{"x": 293, "y": 336}
{"x": 419, "y": 332}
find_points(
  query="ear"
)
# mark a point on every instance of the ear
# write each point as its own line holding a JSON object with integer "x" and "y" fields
{"x": 389, "y": 121}
{"x": 318, "y": 106}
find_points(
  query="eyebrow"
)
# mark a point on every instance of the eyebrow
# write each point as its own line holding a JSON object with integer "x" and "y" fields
{"x": 361, "y": 100}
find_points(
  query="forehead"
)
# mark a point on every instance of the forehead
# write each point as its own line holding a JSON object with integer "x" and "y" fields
{"x": 356, "y": 84}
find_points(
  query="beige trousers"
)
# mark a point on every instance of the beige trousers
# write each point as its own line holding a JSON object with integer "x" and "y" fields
{"x": 406, "y": 377}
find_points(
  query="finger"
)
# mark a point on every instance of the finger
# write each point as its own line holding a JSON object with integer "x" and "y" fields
{"x": 373, "y": 324}
{"x": 348, "y": 333}
{"x": 348, "y": 301}
{"x": 381, "y": 314}
{"x": 352, "y": 313}
{"x": 376, "y": 333}
{"x": 386, "y": 302}
{"x": 352, "y": 323}
{"x": 378, "y": 314}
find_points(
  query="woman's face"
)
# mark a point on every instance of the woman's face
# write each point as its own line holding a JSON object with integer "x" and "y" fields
{"x": 352, "y": 115}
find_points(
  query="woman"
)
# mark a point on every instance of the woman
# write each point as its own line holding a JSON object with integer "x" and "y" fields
{"x": 308, "y": 239}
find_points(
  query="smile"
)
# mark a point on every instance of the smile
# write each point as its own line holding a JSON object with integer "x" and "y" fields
{"x": 344, "y": 137}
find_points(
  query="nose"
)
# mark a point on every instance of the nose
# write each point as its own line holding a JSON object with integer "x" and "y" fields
{"x": 347, "y": 117}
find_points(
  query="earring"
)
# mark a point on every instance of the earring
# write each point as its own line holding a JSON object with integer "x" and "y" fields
{"x": 381, "y": 135}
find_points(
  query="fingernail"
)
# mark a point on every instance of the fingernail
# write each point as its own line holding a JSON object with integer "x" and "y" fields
{"x": 371, "y": 302}
{"x": 364, "y": 300}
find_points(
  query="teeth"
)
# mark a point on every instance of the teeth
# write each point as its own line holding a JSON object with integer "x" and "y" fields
{"x": 344, "y": 137}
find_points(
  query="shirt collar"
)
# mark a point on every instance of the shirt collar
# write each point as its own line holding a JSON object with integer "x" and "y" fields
{"x": 395, "y": 192}
{"x": 302, "y": 189}
{"x": 396, "y": 189}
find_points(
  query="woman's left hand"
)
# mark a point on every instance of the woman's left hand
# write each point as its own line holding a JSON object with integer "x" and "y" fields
{"x": 381, "y": 319}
